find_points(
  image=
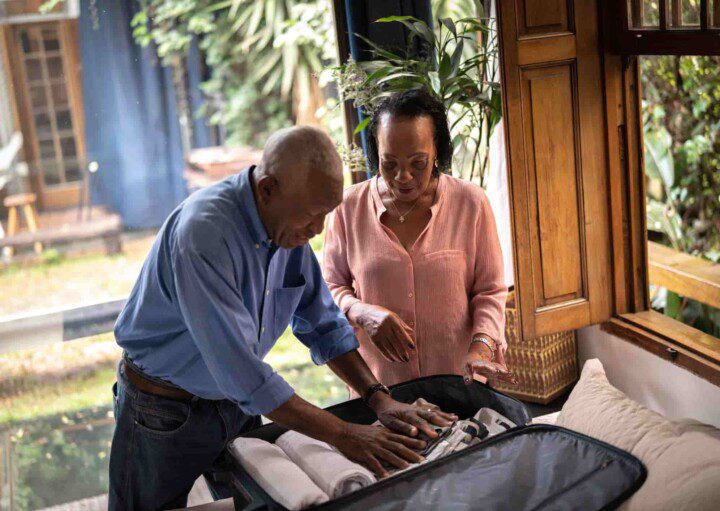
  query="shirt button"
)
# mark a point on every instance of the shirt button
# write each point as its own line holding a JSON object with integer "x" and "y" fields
{"x": 257, "y": 245}
{"x": 262, "y": 330}
{"x": 410, "y": 295}
{"x": 411, "y": 323}
{"x": 267, "y": 293}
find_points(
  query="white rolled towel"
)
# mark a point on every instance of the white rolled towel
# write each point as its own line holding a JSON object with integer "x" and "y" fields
{"x": 331, "y": 471}
{"x": 276, "y": 473}
{"x": 493, "y": 421}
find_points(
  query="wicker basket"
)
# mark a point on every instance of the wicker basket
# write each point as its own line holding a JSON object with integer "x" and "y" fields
{"x": 544, "y": 367}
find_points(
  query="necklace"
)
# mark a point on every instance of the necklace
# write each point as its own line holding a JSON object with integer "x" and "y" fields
{"x": 392, "y": 203}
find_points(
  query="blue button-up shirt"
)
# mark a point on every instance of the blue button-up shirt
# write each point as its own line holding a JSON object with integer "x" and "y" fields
{"x": 215, "y": 294}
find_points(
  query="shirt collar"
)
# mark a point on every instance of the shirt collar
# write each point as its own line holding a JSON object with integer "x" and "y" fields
{"x": 380, "y": 207}
{"x": 248, "y": 208}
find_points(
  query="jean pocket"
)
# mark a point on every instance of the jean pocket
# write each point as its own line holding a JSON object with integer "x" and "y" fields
{"x": 162, "y": 417}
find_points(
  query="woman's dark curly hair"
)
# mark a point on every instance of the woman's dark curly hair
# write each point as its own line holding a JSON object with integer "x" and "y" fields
{"x": 412, "y": 103}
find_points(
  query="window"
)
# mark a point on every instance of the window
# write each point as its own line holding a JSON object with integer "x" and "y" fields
{"x": 667, "y": 279}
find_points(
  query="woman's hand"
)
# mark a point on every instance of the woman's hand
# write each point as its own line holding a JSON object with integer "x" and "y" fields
{"x": 390, "y": 334}
{"x": 478, "y": 362}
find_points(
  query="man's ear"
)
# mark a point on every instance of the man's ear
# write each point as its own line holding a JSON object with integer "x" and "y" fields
{"x": 267, "y": 188}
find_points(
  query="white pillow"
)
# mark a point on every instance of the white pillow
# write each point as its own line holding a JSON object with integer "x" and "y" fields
{"x": 682, "y": 457}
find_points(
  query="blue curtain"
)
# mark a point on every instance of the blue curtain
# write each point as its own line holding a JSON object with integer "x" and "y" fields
{"x": 131, "y": 122}
{"x": 361, "y": 17}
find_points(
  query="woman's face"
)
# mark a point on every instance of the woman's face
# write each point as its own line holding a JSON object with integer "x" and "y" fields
{"x": 406, "y": 151}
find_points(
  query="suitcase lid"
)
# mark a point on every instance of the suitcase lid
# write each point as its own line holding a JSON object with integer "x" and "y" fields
{"x": 529, "y": 468}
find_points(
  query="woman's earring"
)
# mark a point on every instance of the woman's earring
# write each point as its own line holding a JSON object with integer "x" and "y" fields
{"x": 437, "y": 165}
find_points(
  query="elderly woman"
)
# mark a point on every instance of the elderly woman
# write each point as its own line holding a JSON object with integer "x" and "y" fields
{"x": 412, "y": 256}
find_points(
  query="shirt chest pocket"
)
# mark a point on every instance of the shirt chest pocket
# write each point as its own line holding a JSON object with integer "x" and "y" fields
{"x": 286, "y": 300}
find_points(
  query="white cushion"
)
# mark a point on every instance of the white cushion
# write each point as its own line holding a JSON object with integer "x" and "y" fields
{"x": 682, "y": 457}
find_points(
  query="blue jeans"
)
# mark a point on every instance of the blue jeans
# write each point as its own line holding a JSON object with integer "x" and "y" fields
{"x": 161, "y": 446}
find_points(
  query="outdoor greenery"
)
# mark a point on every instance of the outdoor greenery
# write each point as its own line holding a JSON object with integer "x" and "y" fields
{"x": 681, "y": 111}
{"x": 264, "y": 59}
{"x": 456, "y": 63}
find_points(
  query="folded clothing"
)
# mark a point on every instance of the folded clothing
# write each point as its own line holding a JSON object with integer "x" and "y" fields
{"x": 331, "y": 471}
{"x": 277, "y": 474}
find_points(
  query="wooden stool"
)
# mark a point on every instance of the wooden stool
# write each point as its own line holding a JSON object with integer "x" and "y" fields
{"x": 26, "y": 201}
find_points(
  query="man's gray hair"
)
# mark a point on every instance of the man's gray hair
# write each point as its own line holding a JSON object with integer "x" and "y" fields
{"x": 294, "y": 155}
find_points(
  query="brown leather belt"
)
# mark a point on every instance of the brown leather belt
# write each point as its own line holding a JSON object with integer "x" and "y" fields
{"x": 141, "y": 382}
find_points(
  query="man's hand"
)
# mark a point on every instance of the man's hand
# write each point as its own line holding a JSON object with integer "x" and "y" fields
{"x": 478, "y": 362}
{"x": 371, "y": 445}
{"x": 409, "y": 419}
{"x": 388, "y": 332}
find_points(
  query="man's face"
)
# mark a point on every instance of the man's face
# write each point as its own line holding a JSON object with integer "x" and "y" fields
{"x": 297, "y": 214}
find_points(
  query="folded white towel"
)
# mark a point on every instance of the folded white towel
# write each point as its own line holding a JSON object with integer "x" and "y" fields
{"x": 273, "y": 470}
{"x": 493, "y": 421}
{"x": 331, "y": 471}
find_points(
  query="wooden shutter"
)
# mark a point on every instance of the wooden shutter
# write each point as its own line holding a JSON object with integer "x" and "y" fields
{"x": 557, "y": 164}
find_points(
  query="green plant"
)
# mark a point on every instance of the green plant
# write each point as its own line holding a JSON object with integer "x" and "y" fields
{"x": 458, "y": 68}
{"x": 681, "y": 111}
{"x": 263, "y": 57}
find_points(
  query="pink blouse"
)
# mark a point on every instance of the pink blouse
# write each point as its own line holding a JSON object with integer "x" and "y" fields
{"x": 449, "y": 286}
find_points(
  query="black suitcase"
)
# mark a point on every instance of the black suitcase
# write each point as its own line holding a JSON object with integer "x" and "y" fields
{"x": 530, "y": 467}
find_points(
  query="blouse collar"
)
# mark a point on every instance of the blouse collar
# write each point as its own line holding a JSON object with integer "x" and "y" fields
{"x": 380, "y": 207}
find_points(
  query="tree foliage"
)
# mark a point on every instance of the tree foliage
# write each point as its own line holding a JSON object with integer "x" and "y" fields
{"x": 681, "y": 111}
{"x": 260, "y": 55}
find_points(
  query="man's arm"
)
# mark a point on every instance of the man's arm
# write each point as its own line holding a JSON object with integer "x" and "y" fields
{"x": 218, "y": 320}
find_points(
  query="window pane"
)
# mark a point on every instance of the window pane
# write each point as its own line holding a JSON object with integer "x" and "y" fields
{"x": 37, "y": 97}
{"x": 55, "y": 67}
{"x": 68, "y": 148}
{"x": 33, "y": 69}
{"x": 63, "y": 119}
{"x": 59, "y": 95}
{"x": 72, "y": 170}
{"x": 42, "y": 126}
{"x": 50, "y": 40}
{"x": 47, "y": 149}
{"x": 690, "y": 12}
{"x": 651, "y": 13}
{"x": 681, "y": 174}
{"x": 29, "y": 44}
{"x": 50, "y": 170}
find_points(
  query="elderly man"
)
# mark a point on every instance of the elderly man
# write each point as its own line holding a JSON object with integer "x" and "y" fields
{"x": 229, "y": 270}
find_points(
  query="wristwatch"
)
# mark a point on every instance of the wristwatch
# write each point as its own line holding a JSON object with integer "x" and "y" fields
{"x": 487, "y": 342}
{"x": 372, "y": 389}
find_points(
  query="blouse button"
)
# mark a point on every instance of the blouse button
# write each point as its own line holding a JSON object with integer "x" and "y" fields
{"x": 410, "y": 295}
{"x": 411, "y": 323}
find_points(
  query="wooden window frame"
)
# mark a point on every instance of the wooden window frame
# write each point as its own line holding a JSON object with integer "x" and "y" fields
{"x": 625, "y": 33}
{"x": 634, "y": 320}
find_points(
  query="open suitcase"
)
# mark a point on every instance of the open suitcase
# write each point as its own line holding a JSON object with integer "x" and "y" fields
{"x": 530, "y": 467}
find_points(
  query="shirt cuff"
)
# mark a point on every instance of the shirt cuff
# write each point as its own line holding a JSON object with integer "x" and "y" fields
{"x": 270, "y": 395}
{"x": 334, "y": 344}
{"x": 346, "y": 302}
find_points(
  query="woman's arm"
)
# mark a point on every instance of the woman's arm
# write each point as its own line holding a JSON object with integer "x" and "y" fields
{"x": 335, "y": 267}
{"x": 386, "y": 329}
{"x": 488, "y": 292}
